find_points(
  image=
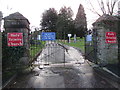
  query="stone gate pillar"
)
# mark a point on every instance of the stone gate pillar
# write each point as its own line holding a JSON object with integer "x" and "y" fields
{"x": 119, "y": 39}
{"x": 0, "y": 51}
{"x": 107, "y": 51}
{"x": 17, "y": 23}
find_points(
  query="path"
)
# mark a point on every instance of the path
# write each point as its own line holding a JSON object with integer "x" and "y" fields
{"x": 75, "y": 73}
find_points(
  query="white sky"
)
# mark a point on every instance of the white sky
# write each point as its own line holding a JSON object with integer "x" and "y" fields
{"x": 33, "y": 9}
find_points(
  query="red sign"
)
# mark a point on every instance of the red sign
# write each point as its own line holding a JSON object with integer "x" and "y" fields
{"x": 111, "y": 37}
{"x": 15, "y": 39}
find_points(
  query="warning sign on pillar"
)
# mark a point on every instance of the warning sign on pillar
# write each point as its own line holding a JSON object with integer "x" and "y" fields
{"x": 15, "y": 39}
{"x": 111, "y": 37}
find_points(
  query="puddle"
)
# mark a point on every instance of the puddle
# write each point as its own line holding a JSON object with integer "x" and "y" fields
{"x": 47, "y": 73}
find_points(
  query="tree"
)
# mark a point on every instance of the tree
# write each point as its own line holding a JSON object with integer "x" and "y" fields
{"x": 65, "y": 22}
{"x": 49, "y": 19}
{"x": 1, "y": 15}
{"x": 105, "y": 7}
{"x": 80, "y": 22}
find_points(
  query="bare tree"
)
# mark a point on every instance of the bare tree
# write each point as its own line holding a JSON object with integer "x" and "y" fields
{"x": 111, "y": 6}
{"x": 92, "y": 8}
{"x": 105, "y": 7}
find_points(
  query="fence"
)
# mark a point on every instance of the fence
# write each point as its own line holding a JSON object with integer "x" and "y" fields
{"x": 91, "y": 47}
{"x": 10, "y": 58}
{"x": 36, "y": 45}
{"x": 46, "y": 51}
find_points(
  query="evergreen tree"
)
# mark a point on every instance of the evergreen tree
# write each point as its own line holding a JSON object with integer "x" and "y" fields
{"x": 1, "y": 16}
{"x": 80, "y": 22}
{"x": 65, "y": 23}
{"x": 49, "y": 20}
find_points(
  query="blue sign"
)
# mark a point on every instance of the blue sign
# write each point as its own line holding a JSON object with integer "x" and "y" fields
{"x": 89, "y": 38}
{"x": 48, "y": 36}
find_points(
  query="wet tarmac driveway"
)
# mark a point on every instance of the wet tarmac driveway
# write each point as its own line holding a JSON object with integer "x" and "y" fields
{"x": 75, "y": 73}
{"x": 58, "y": 76}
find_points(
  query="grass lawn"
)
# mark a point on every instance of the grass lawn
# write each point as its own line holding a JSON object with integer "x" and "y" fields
{"x": 80, "y": 43}
{"x": 35, "y": 49}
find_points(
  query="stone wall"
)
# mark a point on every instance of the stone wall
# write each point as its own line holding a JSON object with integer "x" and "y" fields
{"x": 107, "y": 53}
{"x": 25, "y": 32}
{"x": 17, "y": 23}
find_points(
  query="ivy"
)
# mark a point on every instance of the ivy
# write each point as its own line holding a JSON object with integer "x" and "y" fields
{"x": 10, "y": 55}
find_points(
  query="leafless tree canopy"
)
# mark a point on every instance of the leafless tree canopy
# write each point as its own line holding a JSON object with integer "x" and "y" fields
{"x": 106, "y": 7}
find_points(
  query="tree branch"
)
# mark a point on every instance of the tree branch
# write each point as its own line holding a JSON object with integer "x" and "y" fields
{"x": 103, "y": 7}
{"x": 112, "y": 6}
{"x": 108, "y": 6}
{"x": 94, "y": 11}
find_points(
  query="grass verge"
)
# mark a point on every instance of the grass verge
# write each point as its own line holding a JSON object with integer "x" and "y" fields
{"x": 36, "y": 48}
{"x": 80, "y": 43}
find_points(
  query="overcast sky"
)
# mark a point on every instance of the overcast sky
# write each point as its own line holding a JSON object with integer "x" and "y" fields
{"x": 33, "y": 9}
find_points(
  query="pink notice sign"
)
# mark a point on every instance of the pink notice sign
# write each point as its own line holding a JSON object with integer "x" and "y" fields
{"x": 15, "y": 39}
{"x": 111, "y": 37}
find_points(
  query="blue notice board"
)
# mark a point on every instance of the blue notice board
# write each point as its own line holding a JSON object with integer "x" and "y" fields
{"x": 89, "y": 38}
{"x": 48, "y": 36}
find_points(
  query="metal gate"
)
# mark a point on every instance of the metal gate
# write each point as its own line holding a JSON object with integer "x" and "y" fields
{"x": 46, "y": 48}
{"x": 91, "y": 48}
